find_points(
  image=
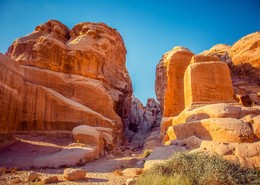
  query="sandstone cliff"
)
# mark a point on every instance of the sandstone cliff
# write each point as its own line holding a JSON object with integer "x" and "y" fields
{"x": 56, "y": 78}
{"x": 243, "y": 60}
{"x": 245, "y": 55}
{"x": 169, "y": 80}
{"x": 11, "y": 98}
{"x": 221, "y": 94}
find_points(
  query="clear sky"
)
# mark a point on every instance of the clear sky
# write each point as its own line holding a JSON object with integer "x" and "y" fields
{"x": 149, "y": 28}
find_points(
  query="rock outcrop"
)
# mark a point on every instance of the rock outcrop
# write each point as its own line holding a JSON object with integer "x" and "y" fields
{"x": 89, "y": 136}
{"x": 212, "y": 120}
{"x": 169, "y": 86}
{"x": 142, "y": 120}
{"x": 218, "y": 50}
{"x": 57, "y": 79}
{"x": 74, "y": 174}
{"x": 11, "y": 98}
{"x": 243, "y": 61}
{"x": 245, "y": 55}
{"x": 217, "y": 122}
{"x": 207, "y": 82}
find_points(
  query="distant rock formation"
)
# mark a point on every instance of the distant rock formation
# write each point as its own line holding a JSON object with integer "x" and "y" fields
{"x": 57, "y": 79}
{"x": 142, "y": 120}
{"x": 221, "y": 94}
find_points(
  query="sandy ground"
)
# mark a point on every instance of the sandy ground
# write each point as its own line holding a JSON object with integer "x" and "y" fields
{"x": 108, "y": 178}
{"x": 102, "y": 171}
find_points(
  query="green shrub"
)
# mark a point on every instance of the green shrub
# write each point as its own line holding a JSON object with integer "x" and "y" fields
{"x": 199, "y": 169}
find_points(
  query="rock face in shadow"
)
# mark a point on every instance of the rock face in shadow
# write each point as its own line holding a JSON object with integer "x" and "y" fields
{"x": 245, "y": 55}
{"x": 56, "y": 78}
{"x": 142, "y": 120}
{"x": 221, "y": 103}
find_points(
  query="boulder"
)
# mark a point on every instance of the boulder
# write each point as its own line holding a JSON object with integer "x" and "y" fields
{"x": 195, "y": 113}
{"x": 68, "y": 156}
{"x": 207, "y": 82}
{"x": 33, "y": 176}
{"x": 49, "y": 180}
{"x": 74, "y": 174}
{"x": 246, "y": 154}
{"x": 132, "y": 172}
{"x": 256, "y": 127}
{"x": 90, "y": 136}
{"x": 159, "y": 154}
{"x": 169, "y": 85}
{"x": 191, "y": 142}
{"x": 153, "y": 140}
{"x": 218, "y": 110}
{"x": 215, "y": 129}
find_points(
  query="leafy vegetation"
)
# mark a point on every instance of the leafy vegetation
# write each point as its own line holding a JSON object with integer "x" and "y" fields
{"x": 199, "y": 169}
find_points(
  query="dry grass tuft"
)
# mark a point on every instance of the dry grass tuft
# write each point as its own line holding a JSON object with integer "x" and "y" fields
{"x": 146, "y": 153}
{"x": 4, "y": 170}
{"x": 118, "y": 172}
{"x": 200, "y": 169}
{"x": 139, "y": 172}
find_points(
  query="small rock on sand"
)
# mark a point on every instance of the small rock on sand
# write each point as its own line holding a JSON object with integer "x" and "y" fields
{"x": 74, "y": 174}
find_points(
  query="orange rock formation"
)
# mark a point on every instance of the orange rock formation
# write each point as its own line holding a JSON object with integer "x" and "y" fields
{"x": 169, "y": 86}
{"x": 207, "y": 82}
{"x": 56, "y": 79}
{"x": 212, "y": 120}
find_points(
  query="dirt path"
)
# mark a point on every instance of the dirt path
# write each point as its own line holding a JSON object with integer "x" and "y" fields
{"x": 106, "y": 170}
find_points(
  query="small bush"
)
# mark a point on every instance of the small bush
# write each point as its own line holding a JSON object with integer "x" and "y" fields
{"x": 199, "y": 169}
{"x": 146, "y": 153}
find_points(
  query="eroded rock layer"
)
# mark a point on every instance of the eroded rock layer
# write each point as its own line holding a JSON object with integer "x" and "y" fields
{"x": 212, "y": 120}
{"x": 56, "y": 78}
{"x": 245, "y": 55}
{"x": 243, "y": 61}
{"x": 169, "y": 86}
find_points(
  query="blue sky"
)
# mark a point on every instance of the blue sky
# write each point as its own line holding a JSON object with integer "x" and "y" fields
{"x": 149, "y": 28}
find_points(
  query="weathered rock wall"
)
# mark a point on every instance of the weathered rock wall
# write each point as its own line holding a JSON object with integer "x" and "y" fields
{"x": 56, "y": 78}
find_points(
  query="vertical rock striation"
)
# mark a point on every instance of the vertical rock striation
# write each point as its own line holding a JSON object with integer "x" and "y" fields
{"x": 212, "y": 120}
{"x": 169, "y": 86}
{"x": 60, "y": 78}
